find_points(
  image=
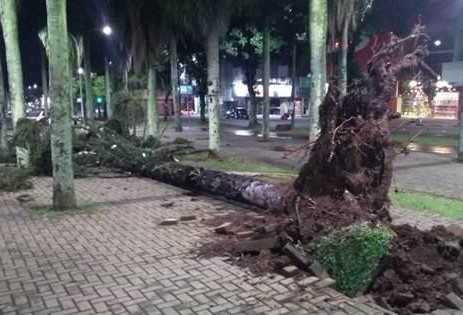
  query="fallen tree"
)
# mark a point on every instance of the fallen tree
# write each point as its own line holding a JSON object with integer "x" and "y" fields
{"x": 346, "y": 180}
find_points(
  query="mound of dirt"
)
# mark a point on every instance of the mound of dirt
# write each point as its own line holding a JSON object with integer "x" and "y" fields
{"x": 419, "y": 272}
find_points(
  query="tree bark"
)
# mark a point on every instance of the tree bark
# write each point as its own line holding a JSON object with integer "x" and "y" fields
{"x": 153, "y": 126}
{"x": 108, "y": 88}
{"x": 9, "y": 21}
{"x": 202, "y": 107}
{"x": 343, "y": 58}
{"x": 89, "y": 100}
{"x": 174, "y": 81}
{"x": 352, "y": 158}
{"x": 266, "y": 80}
{"x": 61, "y": 130}
{"x": 250, "y": 74}
{"x": 3, "y": 110}
{"x": 213, "y": 70}
{"x": 318, "y": 23}
{"x": 44, "y": 76}
{"x": 293, "y": 83}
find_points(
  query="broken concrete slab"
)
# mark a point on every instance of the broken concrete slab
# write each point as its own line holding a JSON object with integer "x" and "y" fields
{"x": 299, "y": 258}
{"x": 328, "y": 282}
{"x": 290, "y": 271}
{"x": 454, "y": 301}
{"x": 317, "y": 270}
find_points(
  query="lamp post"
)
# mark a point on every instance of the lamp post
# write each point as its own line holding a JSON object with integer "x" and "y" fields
{"x": 107, "y": 31}
{"x": 80, "y": 72}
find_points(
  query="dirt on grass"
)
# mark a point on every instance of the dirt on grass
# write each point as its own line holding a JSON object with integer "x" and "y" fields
{"x": 421, "y": 269}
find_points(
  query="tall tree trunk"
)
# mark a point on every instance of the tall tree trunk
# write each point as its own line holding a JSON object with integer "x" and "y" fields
{"x": 44, "y": 81}
{"x": 125, "y": 78}
{"x": 460, "y": 148}
{"x": 9, "y": 21}
{"x": 174, "y": 81}
{"x": 3, "y": 109}
{"x": 266, "y": 83}
{"x": 153, "y": 128}
{"x": 202, "y": 107}
{"x": 61, "y": 131}
{"x": 250, "y": 74}
{"x": 458, "y": 33}
{"x": 293, "y": 83}
{"x": 343, "y": 58}
{"x": 318, "y": 22}
{"x": 213, "y": 72}
{"x": 107, "y": 77}
{"x": 89, "y": 100}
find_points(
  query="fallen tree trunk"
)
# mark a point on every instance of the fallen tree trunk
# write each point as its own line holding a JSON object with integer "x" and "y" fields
{"x": 234, "y": 187}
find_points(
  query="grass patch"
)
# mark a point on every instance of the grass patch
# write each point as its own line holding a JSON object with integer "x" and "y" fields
{"x": 426, "y": 139}
{"x": 48, "y": 213}
{"x": 230, "y": 163}
{"x": 352, "y": 255}
{"x": 430, "y": 203}
{"x": 14, "y": 179}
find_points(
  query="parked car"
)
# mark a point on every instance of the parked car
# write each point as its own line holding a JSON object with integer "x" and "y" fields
{"x": 237, "y": 113}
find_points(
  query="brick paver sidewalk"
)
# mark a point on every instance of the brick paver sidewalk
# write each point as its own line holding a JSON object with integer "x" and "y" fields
{"x": 120, "y": 261}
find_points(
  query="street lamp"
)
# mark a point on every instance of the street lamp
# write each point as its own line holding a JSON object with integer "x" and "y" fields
{"x": 80, "y": 71}
{"x": 107, "y": 30}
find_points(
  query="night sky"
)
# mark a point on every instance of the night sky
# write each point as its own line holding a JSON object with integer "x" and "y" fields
{"x": 84, "y": 16}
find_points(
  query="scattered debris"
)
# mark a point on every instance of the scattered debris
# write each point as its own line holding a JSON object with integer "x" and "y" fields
{"x": 187, "y": 218}
{"x": 169, "y": 222}
{"x": 223, "y": 229}
{"x": 167, "y": 204}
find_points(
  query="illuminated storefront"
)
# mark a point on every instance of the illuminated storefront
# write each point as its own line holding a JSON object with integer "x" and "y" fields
{"x": 438, "y": 100}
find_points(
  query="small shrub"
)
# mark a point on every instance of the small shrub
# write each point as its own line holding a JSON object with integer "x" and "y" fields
{"x": 352, "y": 255}
{"x": 14, "y": 179}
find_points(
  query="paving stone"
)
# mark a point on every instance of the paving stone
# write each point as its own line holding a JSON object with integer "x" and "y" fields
{"x": 118, "y": 260}
{"x": 328, "y": 282}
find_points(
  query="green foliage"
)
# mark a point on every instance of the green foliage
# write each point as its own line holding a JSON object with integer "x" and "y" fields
{"x": 352, "y": 255}
{"x": 117, "y": 126}
{"x": 35, "y": 137}
{"x": 129, "y": 107}
{"x": 14, "y": 179}
{"x": 151, "y": 143}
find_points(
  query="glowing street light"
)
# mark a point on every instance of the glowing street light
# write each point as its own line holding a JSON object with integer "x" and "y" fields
{"x": 107, "y": 30}
{"x": 437, "y": 42}
{"x": 34, "y": 86}
{"x": 80, "y": 71}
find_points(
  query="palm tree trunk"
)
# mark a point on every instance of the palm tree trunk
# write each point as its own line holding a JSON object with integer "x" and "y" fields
{"x": 109, "y": 110}
{"x": 343, "y": 58}
{"x": 174, "y": 81}
{"x": 293, "y": 83}
{"x": 61, "y": 132}
{"x": 3, "y": 107}
{"x": 44, "y": 82}
{"x": 202, "y": 107}
{"x": 266, "y": 83}
{"x": 152, "y": 102}
{"x": 318, "y": 22}
{"x": 213, "y": 72}
{"x": 89, "y": 101}
{"x": 9, "y": 21}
